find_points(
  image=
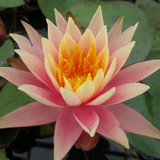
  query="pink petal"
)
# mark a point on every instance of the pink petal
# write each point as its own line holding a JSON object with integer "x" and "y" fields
{"x": 87, "y": 118}
{"x": 98, "y": 80}
{"x": 101, "y": 39}
{"x": 34, "y": 36}
{"x": 22, "y": 41}
{"x": 54, "y": 34}
{"x": 51, "y": 75}
{"x": 116, "y": 30}
{"x": 125, "y": 92}
{"x": 70, "y": 97}
{"x": 86, "y": 91}
{"x": 87, "y": 38}
{"x": 36, "y": 66}
{"x": 67, "y": 131}
{"x": 96, "y": 22}
{"x": 32, "y": 114}
{"x": 73, "y": 30}
{"x": 109, "y": 126}
{"x": 135, "y": 72}
{"x": 60, "y": 21}
{"x": 20, "y": 77}
{"x": 123, "y": 39}
{"x": 44, "y": 96}
{"x": 102, "y": 98}
{"x": 131, "y": 121}
{"x": 109, "y": 74}
{"x": 121, "y": 56}
{"x": 49, "y": 47}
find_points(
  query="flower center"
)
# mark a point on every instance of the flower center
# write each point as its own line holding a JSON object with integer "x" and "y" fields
{"x": 77, "y": 68}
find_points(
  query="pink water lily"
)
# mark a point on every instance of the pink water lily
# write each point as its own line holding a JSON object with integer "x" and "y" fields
{"x": 78, "y": 81}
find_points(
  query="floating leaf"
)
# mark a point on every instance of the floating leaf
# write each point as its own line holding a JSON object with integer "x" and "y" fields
{"x": 151, "y": 10}
{"x": 6, "y": 51}
{"x": 111, "y": 12}
{"x": 11, "y": 98}
{"x": 62, "y": 6}
{"x": 156, "y": 39}
{"x": 2, "y": 156}
{"x": 11, "y": 3}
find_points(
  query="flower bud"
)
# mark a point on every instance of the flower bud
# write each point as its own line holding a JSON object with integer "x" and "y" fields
{"x": 86, "y": 142}
{"x": 2, "y": 32}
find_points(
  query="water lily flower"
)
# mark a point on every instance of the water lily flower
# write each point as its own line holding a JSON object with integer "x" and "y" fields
{"x": 78, "y": 81}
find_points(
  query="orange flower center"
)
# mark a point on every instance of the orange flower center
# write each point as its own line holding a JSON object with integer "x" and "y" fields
{"x": 77, "y": 68}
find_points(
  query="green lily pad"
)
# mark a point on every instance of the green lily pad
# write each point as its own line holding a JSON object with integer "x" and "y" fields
{"x": 148, "y": 105}
{"x": 47, "y": 7}
{"x": 2, "y": 156}
{"x": 6, "y": 51}
{"x": 11, "y": 98}
{"x": 151, "y": 10}
{"x": 111, "y": 12}
{"x": 156, "y": 39}
{"x": 11, "y": 3}
{"x": 7, "y": 136}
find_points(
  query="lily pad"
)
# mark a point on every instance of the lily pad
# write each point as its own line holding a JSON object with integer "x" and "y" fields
{"x": 111, "y": 12}
{"x": 47, "y": 6}
{"x": 156, "y": 39}
{"x": 11, "y": 98}
{"x": 11, "y": 3}
{"x": 151, "y": 10}
{"x": 47, "y": 130}
{"x": 2, "y": 156}
{"x": 148, "y": 105}
{"x": 6, "y": 51}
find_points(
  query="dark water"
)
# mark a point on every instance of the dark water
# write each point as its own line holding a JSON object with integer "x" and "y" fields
{"x": 28, "y": 147}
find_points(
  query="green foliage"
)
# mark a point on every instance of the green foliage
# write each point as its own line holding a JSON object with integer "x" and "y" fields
{"x": 11, "y": 3}
{"x": 6, "y": 51}
{"x": 2, "y": 156}
{"x": 151, "y": 10}
{"x": 11, "y": 98}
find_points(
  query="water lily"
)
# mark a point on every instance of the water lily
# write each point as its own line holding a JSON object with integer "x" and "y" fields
{"x": 78, "y": 81}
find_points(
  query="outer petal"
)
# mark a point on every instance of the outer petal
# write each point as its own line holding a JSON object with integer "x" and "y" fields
{"x": 19, "y": 77}
{"x": 60, "y": 21}
{"x": 101, "y": 39}
{"x": 86, "y": 91}
{"x": 116, "y": 30}
{"x": 87, "y": 119}
{"x": 122, "y": 39}
{"x": 135, "y": 72}
{"x": 126, "y": 92}
{"x": 49, "y": 47}
{"x": 54, "y": 34}
{"x": 87, "y": 38}
{"x": 73, "y": 30}
{"x": 131, "y": 121}
{"x": 109, "y": 126}
{"x": 32, "y": 114}
{"x": 67, "y": 131}
{"x": 109, "y": 74}
{"x": 70, "y": 97}
{"x": 22, "y": 41}
{"x": 96, "y": 22}
{"x": 36, "y": 66}
{"x": 44, "y": 96}
{"x": 102, "y": 98}
{"x": 50, "y": 74}
{"x": 121, "y": 56}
